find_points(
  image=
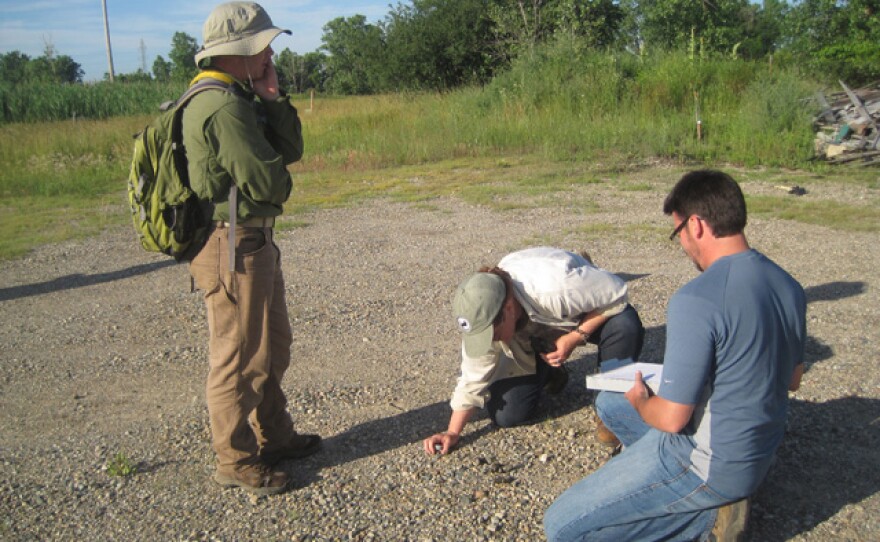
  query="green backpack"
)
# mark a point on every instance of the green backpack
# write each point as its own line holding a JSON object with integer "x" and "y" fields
{"x": 168, "y": 216}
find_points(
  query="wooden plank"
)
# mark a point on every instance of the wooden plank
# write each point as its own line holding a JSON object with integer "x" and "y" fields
{"x": 826, "y": 113}
{"x": 852, "y": 157}
{"x": 860, "y": 107}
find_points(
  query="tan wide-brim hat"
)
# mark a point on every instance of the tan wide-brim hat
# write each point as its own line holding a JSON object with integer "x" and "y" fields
{"x": 239, "y": 29}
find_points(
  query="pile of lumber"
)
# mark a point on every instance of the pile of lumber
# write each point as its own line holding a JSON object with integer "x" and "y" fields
{"x": 847, "y": 128}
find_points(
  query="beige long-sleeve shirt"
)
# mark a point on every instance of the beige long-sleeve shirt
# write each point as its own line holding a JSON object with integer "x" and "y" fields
{"x": 556, "y": 288}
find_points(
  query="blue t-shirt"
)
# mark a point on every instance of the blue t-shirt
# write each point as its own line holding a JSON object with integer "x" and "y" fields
{"x": 734, "y": 336}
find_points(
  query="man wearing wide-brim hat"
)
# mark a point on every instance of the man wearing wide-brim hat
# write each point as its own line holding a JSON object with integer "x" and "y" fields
{"x": 238, "y": 146}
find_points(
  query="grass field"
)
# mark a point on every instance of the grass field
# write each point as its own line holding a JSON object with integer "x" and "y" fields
{"x": 551, "y": 122}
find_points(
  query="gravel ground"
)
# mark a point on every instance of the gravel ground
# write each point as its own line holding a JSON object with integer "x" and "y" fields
{"x": 105, "y": 352}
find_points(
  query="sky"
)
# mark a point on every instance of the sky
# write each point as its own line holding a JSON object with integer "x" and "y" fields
{"x": 76, "y": 27}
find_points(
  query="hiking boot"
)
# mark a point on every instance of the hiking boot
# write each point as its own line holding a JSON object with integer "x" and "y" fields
{"x": 605, "y": 435}
{"x": 297, "y": 447}
{"x": 259, "y": 479}
{"x": 557, "y": 380}
{"x": 731, "y": 522}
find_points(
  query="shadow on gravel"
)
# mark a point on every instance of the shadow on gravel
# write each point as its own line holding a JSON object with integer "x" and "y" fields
{"x": 78, "y": 280}
{"x": 378, "y": 436}
{"x": 629, "y": 277}
{"x": 815, "y": 350}
{"x": 826, "y": 462}
{"x": 833, "y": 291}
{"x": 144, "y": 467}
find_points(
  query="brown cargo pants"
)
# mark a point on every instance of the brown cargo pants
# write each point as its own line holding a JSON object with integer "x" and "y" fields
{"x": 249, "y": 346}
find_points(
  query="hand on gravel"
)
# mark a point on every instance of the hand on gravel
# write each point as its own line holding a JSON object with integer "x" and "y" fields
{"x": 441, "y": 443}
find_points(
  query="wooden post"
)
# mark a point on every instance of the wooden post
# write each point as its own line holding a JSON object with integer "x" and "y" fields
{"x": 697, "y": 116}
{"x": 311, "y": 99}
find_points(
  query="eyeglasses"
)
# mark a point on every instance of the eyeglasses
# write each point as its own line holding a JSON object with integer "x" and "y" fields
{"x": 678, "y": 228}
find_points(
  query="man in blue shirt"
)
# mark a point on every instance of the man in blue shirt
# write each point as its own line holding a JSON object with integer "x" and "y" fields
{"x": 694, "y": 452}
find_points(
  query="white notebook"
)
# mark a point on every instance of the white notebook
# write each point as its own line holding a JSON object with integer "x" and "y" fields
{"x": 620, "y": 378}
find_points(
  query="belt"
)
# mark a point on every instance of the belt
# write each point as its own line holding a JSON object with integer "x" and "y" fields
{"x": 256, "y": 222}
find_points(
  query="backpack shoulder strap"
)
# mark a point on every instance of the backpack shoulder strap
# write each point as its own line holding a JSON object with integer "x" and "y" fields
{"x": 205, "y": 80}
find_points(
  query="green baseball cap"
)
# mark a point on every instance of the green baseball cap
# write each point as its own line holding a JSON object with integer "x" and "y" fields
{"x": 477, "y": 302}
{"x": 237, "y": 29}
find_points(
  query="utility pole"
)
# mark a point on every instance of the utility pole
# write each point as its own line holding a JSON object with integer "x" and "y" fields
{"x": 107, "y": 39}
{"x": 143, "y": 56}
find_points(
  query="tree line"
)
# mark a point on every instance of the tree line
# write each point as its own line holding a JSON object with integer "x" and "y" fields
{"x": 443, "y": 44}
{"x": 18, "y": 68}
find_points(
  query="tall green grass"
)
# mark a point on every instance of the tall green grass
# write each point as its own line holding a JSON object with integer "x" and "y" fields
{"x": 583, "y": 105}
{"x": 592, "y": 111}
{"x": 565, "y": 104}
{"x": 55, "y": 102}
{"x": 83, "y": 158}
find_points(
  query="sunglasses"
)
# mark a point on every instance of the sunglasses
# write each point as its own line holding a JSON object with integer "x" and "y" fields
{"x": 678, "y": 228}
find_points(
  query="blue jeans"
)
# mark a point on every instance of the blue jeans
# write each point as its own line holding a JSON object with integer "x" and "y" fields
{"x": 641, "y": 494}
{"x": 620, "y": 337}
{"x": 514, "y": 401}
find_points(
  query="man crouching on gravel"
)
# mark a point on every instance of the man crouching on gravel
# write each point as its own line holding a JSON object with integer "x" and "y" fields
{"x": 696, "y": 450}
{"x": 520, "y": 321}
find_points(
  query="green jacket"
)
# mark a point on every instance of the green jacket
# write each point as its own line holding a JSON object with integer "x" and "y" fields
{"x": 239, "y": 138}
